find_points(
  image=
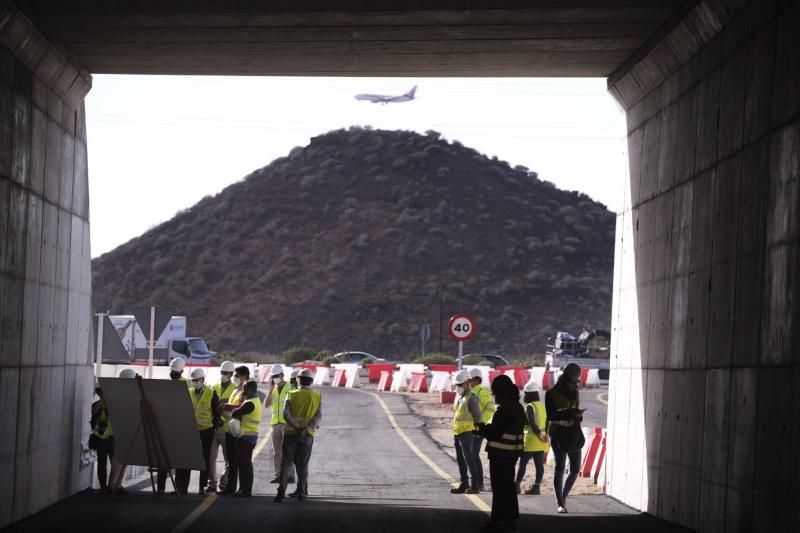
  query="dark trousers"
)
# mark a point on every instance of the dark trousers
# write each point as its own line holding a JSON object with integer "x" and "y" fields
{"x": 206, "y": 438}
{"x": 105, "y": 453}
{"x": 465, "y": 457}
{"x": 538, "y": 461}
{"x": 245, "y": 465}
{"x": 561, "y": 486}
{"x": 504, "y": 494}
{"x": 232, "y": 444}
{"x": 476, "y": 456}
{"x": 296, "y": 452}
{"x": 182, "y": 476}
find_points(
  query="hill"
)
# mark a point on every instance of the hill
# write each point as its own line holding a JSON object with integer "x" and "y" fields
{"x": 345, "y": 243}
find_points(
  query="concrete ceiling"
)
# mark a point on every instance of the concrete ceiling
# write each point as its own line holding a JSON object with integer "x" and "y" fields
{"x": 354, "y": 38}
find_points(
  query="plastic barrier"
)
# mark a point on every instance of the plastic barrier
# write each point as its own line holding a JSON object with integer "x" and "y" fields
{"x": 443, "y": 368}
{"x": 590, "y": 451}
{"x": 493, "y": 374}
{"x": 439, "y": 381}
{"x": 584, "y": 375}
{"x": 598, "y": 466}
{"x": 385, "y": 382}
{"x": 375, "y": 370}
{"x": 322, "y": 376}
{"x": 418, "y": 382}
{"x": 548, "y": 380}
{"x": 518, "y": 374}
{"x": 402, "y": 374}
{"x": 339, "y": 378}
{"x": 592, "y": 378}
{"x": 536, "y": 374}
{"x": 447, "y": 397}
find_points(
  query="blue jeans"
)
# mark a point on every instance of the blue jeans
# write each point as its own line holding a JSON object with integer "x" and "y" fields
{"x": 465, "y": 456}
{"x": 560, "y": 486}
{"x": 476, "y": 453}
{"x": 538, "y": 461}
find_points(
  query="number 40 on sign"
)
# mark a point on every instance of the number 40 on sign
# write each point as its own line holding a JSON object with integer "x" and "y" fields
{"x": 461, "y": 328}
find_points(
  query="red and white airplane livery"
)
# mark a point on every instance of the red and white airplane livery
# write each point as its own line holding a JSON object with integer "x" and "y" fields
{"x": 385, "y": 99}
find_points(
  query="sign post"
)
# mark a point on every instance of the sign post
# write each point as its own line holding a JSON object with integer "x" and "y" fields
{"x": 152, "y": 342}
{"x": 424, "y": 334}
{"x": 461, "y": 328}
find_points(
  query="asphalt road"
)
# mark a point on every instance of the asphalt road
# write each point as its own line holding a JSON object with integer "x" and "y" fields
{"x": 364, "y": 477}
{"x": 595, "y": 401}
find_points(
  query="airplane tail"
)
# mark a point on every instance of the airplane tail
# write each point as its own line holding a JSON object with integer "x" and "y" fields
{"x": 410, "y": 93}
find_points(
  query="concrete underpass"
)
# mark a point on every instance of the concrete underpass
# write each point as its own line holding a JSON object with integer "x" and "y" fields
{"x": 704, "y": 405}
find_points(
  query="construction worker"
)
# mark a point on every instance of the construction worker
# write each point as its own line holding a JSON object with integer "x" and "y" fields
{"x": 488, "y": 408}
{"x": 250, "y": 415}
{"x": 466, "y": 417}
{"x": 176, "y": 367}
{"x": 536, "y": 441}
{"x": 241, "y": 375}
{"x": 223, "y": 390}
{"x": 505, "y": 442}
{"x": 101, "y": 439}
{"x": 564, "y": 417}
{"x": 118, "y": 470}
{"x": 293, "y": 378}
{"x": 276, "y": 400}
{"x": 206, "y": 403}
{"x": 303, "y": 413}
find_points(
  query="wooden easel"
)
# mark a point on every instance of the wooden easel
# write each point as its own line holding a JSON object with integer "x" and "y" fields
{"x": 157, "y": 457}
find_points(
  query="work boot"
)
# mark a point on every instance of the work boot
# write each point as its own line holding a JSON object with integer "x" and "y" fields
{"x": 535, "y": 489}
{"x": 294, "y": 494}
{"x": 518, "y": 487}
{"x": 472, "y": 490}
{"x": 278, "y": 498}
{"x": 461, "y": 489}
{"x": 211, "y": 490}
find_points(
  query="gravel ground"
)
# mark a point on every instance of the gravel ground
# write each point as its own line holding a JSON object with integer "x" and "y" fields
{"x": 438, "y": 425}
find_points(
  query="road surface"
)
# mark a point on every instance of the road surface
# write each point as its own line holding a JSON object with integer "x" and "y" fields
{"x": 365, "y": 477}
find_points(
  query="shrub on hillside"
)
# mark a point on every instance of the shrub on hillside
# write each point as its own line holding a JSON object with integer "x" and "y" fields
{"x": 299, "y": 354}
{"x": 434, "y": 359}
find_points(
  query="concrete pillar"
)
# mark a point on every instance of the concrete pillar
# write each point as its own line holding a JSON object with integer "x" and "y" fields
{"x": 45, "y": 280}
{"x": 704, "y": 421}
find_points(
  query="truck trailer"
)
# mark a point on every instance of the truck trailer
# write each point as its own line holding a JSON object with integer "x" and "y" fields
{"x": 171, "y": 343}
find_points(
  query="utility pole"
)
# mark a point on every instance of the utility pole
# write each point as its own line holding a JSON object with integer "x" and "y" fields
{"x": 441, "y": 316}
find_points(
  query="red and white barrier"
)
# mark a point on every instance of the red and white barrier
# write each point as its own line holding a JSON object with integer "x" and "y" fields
{"x": 594, "y": 454}
{"x": 322, "y": 376}
{"x": 440, "y": 381}
{"x": 418, "y": 382}
{"x": 385, "y": 383}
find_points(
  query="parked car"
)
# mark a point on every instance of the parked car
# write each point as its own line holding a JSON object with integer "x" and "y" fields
{"x": 358, "y": 358}
{"x": 494, "y": 360}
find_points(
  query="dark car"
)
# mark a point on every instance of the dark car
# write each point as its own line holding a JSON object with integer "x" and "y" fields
{"x": 494, "y": 360}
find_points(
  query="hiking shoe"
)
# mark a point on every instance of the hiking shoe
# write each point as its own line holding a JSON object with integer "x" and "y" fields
{"x": 461, "y": 489}
{"x": 472, "y": 491}
{"x": 278, "y": 498}
{"x": 561, "y": 509}
{"x": 535, "y": 489}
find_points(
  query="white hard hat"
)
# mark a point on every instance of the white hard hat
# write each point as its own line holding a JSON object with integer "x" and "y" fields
{"x": 293, "y": 373}
{"x": 276, "y": 369}
{"x": 235, "y": 426}
{"x": 461, "y": 377}
{"x": 198, "y": 373}
{"x": 305, "y": 373}
{"x": 531, "y": 386}
{"x": 127, "y": 373}
{"x": 177, "y": 364}
{"x": 475, "y": 373}
{"x": 227, "y": 366}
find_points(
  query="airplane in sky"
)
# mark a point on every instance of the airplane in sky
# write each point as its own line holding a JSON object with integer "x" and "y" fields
{"x": 386, "y": 99}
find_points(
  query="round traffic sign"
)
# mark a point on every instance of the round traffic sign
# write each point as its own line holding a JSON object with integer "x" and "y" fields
{"x": 461, "y": 327}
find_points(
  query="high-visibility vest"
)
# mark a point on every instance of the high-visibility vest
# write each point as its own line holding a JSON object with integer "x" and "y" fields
{"x": 250, "y": 420}
{"x": 532, "y": 442}
{"x": 279, "y": 402}
{"x": 304, "y": 405}
{"x": 562, "y": 403}
{"x": 102, "y": 416}
{"x": 202, "y": 408}
{"x": 462, "y": 417}
{"x": 488, "y": 407}
{"x": 224, "y": 395}
{"x": 237, "y": 398}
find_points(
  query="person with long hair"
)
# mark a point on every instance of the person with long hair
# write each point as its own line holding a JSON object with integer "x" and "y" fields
{"x": 536, "y": 443}
{"x": 564, "y": 418}
{"x": 504, "y": 445}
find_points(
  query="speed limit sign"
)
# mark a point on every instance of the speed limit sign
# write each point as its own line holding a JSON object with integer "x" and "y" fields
{"x": 461, "y": 327}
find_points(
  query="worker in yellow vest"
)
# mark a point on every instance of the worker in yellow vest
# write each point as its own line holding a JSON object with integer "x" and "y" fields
{"x": 241, "y": 376}
{"x": 276, "y": 401}
{"x": 536, "y": 442}
{"x": 303, "y": 413}
{"x": 249, "y": 413}
{"x": 466, "y": 418}
{"x": 223, "y": 390}
{"x": 205, "y": 403}
{"x": 488, "y": 407}
{"x": 101, "y": 439}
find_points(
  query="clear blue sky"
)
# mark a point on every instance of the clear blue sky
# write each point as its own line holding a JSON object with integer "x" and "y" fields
{"x": 158, "y": 144}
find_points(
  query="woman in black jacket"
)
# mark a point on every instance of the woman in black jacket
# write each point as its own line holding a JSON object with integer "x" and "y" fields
{"x": 564, "y": 418}
{"x": 504, "y": 444}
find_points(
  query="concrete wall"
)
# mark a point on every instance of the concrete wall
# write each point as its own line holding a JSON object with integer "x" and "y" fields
{"x": 704, "y": 417}
{"x": 45, "y": 282}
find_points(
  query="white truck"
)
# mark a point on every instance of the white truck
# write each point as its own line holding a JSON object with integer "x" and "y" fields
{"x": 171, "y": 343}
